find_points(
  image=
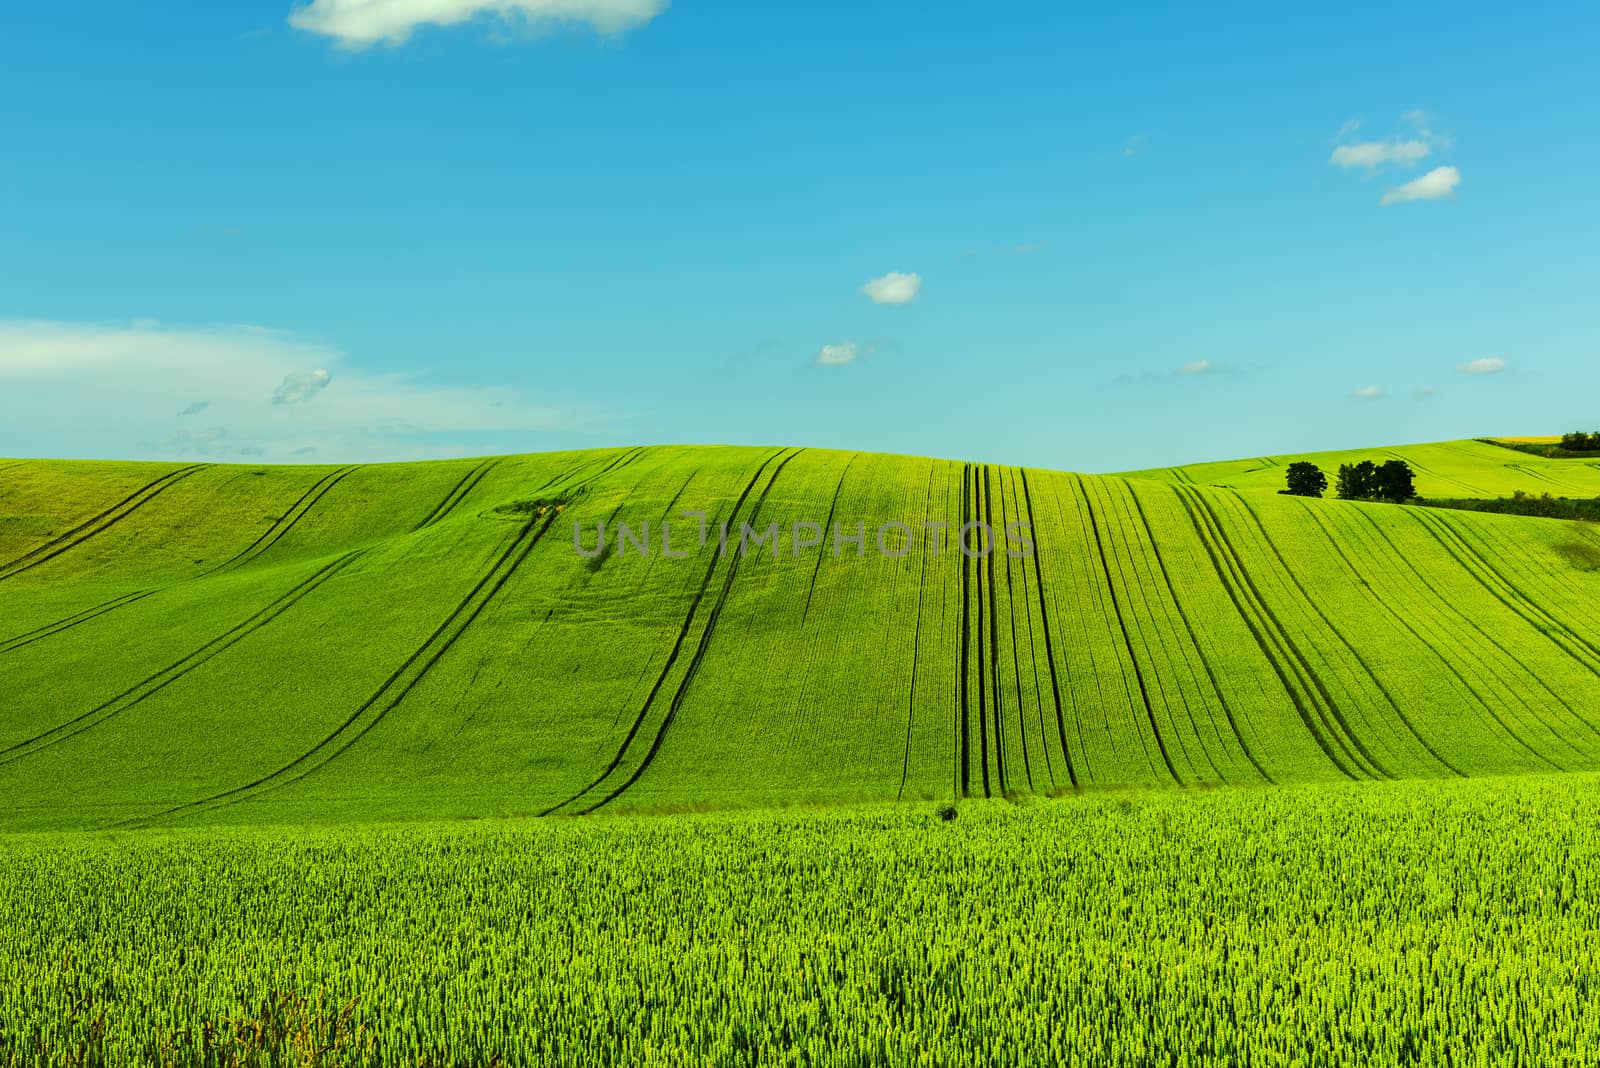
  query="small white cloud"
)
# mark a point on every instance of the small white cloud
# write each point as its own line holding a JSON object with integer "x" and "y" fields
{"x": 894, "y": 288}
{"x": 1348, "y": 129}
{"x": 1488, "y": 365}
{"x": 1437, "y": 184}
{"x": 1197, "y": 367}
{"x": 1374, "y": 154}
{"x": 1134, "y": 145}
{"x": 1367, "y": 393}
{"x": 298, "y": 387}
{"x": 838, "y": 355}
{"x": 358, "y": 24}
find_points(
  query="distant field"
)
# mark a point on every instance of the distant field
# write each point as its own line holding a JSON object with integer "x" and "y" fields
{"x": 1380, "y": 924}
{"x": 1444, "y": 469}
{"x": 184, "y": 644}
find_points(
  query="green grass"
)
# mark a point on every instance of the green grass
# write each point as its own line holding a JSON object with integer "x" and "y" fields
{"x": 225, "y": 644}
{"x": 1407, "y": 923}
{"x": 1445, "y": 469}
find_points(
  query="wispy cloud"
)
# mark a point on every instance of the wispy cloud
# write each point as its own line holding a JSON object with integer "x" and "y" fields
{"x": 1367, "y": 393}
{"x": 894, "y": 288}
{"x": 838, "y": 355}
{"x": 1488, "y": 365}
{"x": 1374, "y": 154}
{"x": 1133, "y": 146}
{"x": 1196, "y": 367}
{"x": 1438, "y": 184}
{"x": 298, "y": 387}
{"x": 358, "y": 24}
{"x": 69, "y": 388}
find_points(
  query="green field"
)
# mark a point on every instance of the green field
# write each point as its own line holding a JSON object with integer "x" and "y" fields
{"x": 1444, "y": 469}
{"x": 244, "y": 645}
{"x": 274, "y": 742}
{"x": 1390, "y": 923}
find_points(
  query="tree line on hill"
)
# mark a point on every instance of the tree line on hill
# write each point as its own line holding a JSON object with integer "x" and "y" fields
{"x": 1392, "y": 480}
{"x": 1580, "y": 442}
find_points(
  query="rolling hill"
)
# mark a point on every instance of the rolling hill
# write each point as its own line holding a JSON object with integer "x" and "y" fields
{"x": 1447, "y": 469}
{"x": 224, "y": 643}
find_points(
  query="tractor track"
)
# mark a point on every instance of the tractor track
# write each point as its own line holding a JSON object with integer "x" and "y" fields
{"x": 1127, "y": 637}
{"x": 1194, "y": 640}
{"x": 1049, "y": 645}
{"x": 1307, "y": 598}
{"x": 154, "y": 683}
{"x": 97, "y": 524}
{"x": 1230, "y": 573}
{"x": 395, "y": 688}
{"x": 672, "y": 657}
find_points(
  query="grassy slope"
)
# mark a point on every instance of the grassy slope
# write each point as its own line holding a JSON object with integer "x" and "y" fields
{"x": 260, "y": 644}
{"x": 1444, "y": 469}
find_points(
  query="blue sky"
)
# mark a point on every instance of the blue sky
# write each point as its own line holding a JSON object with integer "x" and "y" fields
{"x": 1140, "y": 235}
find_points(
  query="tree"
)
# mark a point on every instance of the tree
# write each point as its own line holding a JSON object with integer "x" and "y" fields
{"x": 1358, "y": 482}
{"x": 1395, "y": 481}
{"x": 1306, "y": 479}
{"x": 1580, "y": 442}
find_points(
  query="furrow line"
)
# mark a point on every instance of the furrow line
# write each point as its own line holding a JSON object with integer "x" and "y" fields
{"x": 827, "y": 532}
{"x": 1224, "y": 565}
{"x": 1429, "y": 642}
{"x": 394, "y": 689}
{"x": 916, "y": 638}
{"x": 284, "y": 523}
{"x": 1049, "y": 644}
{"x": 701, "y": 649}
{"x": 1307, "y": 597}
{"x": 97, "y": 524}
{"x": 1309, "y": 673}
{"x": 672, "y": 658}
{"x": 152, "y": 684}
{"x": 1127, "y": 637}
{"x": 1194, "y": 641}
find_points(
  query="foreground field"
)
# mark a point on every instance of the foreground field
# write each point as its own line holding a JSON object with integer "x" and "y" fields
{"x": 1406, "y": 923}
{"x": 204, "y": 644}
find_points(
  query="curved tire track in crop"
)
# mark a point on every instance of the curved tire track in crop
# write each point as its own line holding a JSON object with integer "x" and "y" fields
{"x": 827, "y": 532}
{"x": 672, "y": 657}
{"x": 1049, "y": 644}
{"x": 1308, "y": 598}
{"x": 97, "y": 524}
{"x": 286, "y": 522}
{"x": 458, "y": 493}
{"x": 152, "y": 684}
{"x": 395, "y": 688}
{"x": 1127, "y": 637}
{"x": 1194, "y": 641}
{"x": 1384, "y": 536}
{"x": 916, "y": 638}
{"x": 1269, "y": 636}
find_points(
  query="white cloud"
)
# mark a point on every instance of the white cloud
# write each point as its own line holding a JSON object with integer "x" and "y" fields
{"x": 838, "y": 355}
{"x": 75, "y": 389}
{"x": 1437, "y": 184}
{"x": 1367, "y": 393}
{"x": 894, "y": 288}
{"x": 1486, "y": 366}
{"x": 358, "y": 24}
{"x": 298, "y": 387}
{"x": 1197, "y": 367}
{"x": 1374, "y": 154}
